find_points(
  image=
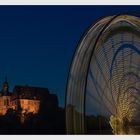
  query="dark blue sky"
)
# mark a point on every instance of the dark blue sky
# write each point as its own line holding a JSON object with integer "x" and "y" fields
{"x": 37, "y": 42}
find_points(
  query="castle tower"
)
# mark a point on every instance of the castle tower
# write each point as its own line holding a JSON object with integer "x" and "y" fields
{"x": 5, "y": 98}
{"x": 5, "y": 88}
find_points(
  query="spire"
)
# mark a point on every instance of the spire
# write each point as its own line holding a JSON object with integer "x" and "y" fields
{"x": 6, "y": 78}
{"x": 5, "y": 87}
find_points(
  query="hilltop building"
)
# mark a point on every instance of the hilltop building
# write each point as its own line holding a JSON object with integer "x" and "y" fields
{"x": 26, "y": 99}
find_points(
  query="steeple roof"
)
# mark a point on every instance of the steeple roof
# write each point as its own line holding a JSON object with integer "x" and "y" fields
{"x": 6, "y": 81}
{"x": 5, "y": 88}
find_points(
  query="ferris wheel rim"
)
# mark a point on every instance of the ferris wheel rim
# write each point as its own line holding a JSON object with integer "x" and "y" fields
{"x": 99, "y": 35}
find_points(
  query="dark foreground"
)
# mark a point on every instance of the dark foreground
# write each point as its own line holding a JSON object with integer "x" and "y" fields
{"x": 33, "y": 125}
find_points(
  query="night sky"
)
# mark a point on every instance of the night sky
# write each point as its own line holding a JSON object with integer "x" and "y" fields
{"x": 37, "y": 42}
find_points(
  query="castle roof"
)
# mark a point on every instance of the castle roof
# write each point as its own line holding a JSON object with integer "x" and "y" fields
{"x": 28, "y": 92}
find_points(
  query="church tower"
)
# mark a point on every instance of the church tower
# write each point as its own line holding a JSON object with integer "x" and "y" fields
{"x": 5, "y": 88}
{"x": 5, "y": 98}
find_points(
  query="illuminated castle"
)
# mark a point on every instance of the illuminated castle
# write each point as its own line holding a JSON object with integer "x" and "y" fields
{"x": 26, "y": 99}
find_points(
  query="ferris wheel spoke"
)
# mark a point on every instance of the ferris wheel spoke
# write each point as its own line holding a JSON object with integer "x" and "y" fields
{"x": 98, "y": 87}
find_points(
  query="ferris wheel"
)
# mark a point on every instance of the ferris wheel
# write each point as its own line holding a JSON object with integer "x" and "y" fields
{"x": 103, "y": 90}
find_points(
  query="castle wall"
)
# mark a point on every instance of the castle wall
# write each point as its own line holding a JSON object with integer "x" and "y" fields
{"x": 26, "y": 105}
{"x": 4, "y": 104}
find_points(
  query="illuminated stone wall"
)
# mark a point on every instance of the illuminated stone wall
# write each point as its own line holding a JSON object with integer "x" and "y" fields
{"x": 4, "y": 104}
{"x": 27, "y": 106}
